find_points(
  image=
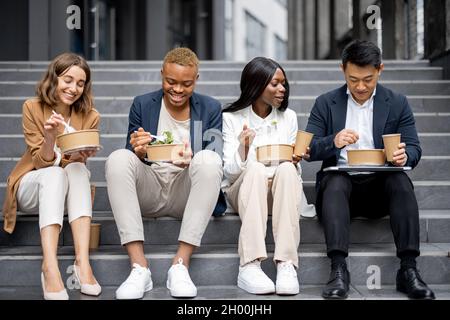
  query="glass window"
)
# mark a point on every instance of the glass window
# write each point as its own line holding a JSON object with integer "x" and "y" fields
{"x": 280, "y": 49}
{"x": 229, "y": 48}
{"x": 420, "y": 28}
{"x": 256, "y": 34}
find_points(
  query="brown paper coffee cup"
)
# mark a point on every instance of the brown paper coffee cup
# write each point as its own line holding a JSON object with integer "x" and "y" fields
{"x": 391, "y": 142}
{"x": 94, "y": 239}
{"x": 302, "y": 141}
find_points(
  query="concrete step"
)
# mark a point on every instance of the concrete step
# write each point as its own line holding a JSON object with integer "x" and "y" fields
{"x": 209, "y": 294}
{"x": 303, "y": 104}
{"x": 222, "y": 88}
{"x": 431, "y": 195}
{"x": 434, "y": 226}
{"x": 118, "y": 123}
{"x": 12, "y": 145}
{"x": 429, "y": 168}
{"x": 221, "y": 74}
{"x": 213, "y": 265}
{"x": 211, "y": 64}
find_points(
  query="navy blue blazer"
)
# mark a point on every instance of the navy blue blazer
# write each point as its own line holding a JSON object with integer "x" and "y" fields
{"x": 391, "y": 114}
{"x": 205, "y": 114}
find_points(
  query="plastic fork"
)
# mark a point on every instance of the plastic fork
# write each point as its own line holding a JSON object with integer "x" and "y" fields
{"x": 159, "y": 138}
{"x": 66, "y": 125}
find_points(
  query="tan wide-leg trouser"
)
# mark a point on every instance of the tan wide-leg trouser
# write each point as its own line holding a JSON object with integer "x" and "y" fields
{"x": 249, "y": 195}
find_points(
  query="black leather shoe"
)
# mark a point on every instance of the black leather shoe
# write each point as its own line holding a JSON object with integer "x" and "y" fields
{"x": 410, "y": 282}
{"x": 338, "y": 285}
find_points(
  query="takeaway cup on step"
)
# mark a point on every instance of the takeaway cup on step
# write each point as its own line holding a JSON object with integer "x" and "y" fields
{"x": 94, "y": 239}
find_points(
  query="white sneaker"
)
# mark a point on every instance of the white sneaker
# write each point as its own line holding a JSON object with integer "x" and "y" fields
{"x": 179, "y": 282}
{"x": 252, "y": 279}
{"x": 287, "y": 281}
{"x": 138, "y": 282}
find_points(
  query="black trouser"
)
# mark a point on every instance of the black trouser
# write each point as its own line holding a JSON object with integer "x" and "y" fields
{"x": 342, "y": 197}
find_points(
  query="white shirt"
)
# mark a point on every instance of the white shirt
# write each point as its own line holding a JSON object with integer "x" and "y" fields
{"x": 180, "y": 129}
{"x": 277, "y": 127}
{"x": 359, "y": 118}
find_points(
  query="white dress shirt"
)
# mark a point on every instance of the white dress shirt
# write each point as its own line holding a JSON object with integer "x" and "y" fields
{"x": 277, "y": 127}
{"x": 360, "y": 119}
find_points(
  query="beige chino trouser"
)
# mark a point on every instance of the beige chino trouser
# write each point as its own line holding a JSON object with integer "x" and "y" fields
{"x": 49, "y": 190}
{"x": 136, "y": 189}
{"x": 249, "y": 195}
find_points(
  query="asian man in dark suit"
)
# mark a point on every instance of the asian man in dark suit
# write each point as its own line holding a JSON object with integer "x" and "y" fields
{"x": 355, "y": 116}
{"x": 187, "y": 188}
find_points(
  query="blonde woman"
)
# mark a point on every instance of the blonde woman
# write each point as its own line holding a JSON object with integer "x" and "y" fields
{"x": 48, "y": 182}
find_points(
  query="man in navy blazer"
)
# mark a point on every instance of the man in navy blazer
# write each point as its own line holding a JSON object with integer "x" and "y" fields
{"x": 205, "y": 116}
{"x": 188, "y": 187}
{"x": 356, "y": 116}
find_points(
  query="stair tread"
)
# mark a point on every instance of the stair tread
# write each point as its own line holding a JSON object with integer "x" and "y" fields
{"x": 229, "y": 292}
{"x": 216, "y": 261}
{"x": 108, "y": 216}
{"x": 218, "y": 250}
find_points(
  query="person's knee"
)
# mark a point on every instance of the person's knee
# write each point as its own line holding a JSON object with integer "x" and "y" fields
{"x": 208, "y": 158}
{"x": 256, "y": 168}
{"x": 287, "y": 169}
{"x": 208, "y": 164}
{"x": 119, "y": 160}
{"x": 53, "y": 175}
{"x": 335, "y": 183}
{"x": 399, "y": 182}
{"x": 77, "y": 168}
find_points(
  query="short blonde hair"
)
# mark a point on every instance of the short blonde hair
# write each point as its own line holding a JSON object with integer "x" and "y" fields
{"x": 182, "y": 56}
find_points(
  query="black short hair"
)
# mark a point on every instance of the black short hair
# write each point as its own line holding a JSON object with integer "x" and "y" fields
{"x": 362, "y": 53}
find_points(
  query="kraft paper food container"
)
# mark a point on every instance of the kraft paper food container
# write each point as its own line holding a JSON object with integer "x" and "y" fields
{"x": 391, "y": 142}
{"x": 79, "y": 140}
{"x": 370, "y": 157}
{"x": 274, "y": 153}
{"x": 164, "y": 152}
{"x": 302, "y": 142}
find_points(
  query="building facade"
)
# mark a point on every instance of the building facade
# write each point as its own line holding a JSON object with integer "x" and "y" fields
{"x": 234, "y": 30}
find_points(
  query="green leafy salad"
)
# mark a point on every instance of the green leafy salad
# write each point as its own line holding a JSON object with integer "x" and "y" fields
{"x": 168, "y": 138}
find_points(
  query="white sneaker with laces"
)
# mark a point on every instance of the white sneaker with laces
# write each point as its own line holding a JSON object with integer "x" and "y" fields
{"x": 179, "y": 282}
{"x": 252, "y": 279}
{"x": 287, "y": 281}
{"x": 138, "y": 282}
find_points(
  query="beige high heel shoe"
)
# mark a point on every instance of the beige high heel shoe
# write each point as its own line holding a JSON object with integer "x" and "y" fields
{"x": 60, "y": 295}
{"x": 89, "y": 289}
